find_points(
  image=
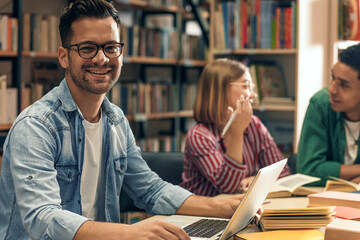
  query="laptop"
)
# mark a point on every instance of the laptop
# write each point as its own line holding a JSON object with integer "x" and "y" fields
{"x": 217, "y": 228}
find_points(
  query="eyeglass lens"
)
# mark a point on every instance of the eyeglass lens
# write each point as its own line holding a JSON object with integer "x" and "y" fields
{"x": 89, "y": 50}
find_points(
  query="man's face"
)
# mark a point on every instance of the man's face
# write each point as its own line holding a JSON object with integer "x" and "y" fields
{"x": 344, "y": 91}
{"x": 98, "y": 74}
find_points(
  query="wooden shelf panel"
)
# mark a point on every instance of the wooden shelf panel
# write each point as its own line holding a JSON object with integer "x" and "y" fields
{"x": 150, "y": 60}
{"x": 192, "y": 63}
{"x": 5, "y": 126}
{"x": 186, "y": 113}
{"x": 189, "y": 113}
{"x": 254, "y": 51}
{"x": 144, "y": 5}
{"x": 39, "y": 54}
{"x": 8, "y": 53}
{"x": 274, "y": 107}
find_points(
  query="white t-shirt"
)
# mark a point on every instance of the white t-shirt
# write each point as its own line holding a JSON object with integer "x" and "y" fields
{"x": 351, "y": 148}
{"x": 92, "y": 177}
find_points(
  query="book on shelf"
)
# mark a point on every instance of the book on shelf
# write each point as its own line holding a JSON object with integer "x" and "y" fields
{"x": 342, "y": 229}
{"x": 331, "y": 198}
{"x": 255, "y": 24}
{"x": 271, "y": 81}
{"x": 292, "y": 185}
{"x": 8, "y": 102}
{"x": 295, "y": 234}
{"x": 349, "y": 20}
{"x": 40, "y": 32}
{"x": 295, "y": 218}
{"x": 341, "y": 185}
{"x": 283, "y": 101}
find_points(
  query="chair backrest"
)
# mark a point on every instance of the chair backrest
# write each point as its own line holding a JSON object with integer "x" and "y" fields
{"x": 168, "y": 166}
{"x": 292, "y": 163}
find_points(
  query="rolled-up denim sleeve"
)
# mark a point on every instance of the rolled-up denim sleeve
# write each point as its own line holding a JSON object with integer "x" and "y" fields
{"x": 147, "y": 189}
{"x": 32, "y": 149}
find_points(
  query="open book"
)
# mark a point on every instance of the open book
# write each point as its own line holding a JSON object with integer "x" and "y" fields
{"x": 292, "y": 218}
{"x": 341, "y": 185}
{"x": 291, "y": 185}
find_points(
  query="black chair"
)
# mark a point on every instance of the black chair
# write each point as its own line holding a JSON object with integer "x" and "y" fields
{"x": 168, "y": 165}
{"x": 292, "y": 163}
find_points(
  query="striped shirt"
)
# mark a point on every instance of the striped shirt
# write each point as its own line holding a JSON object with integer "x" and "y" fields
{"x": 209, "y": 171}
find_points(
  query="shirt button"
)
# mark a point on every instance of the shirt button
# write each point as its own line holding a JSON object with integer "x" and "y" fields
{"x": 69, "y": 175}
{"x": 29, "y": 177}
{"x": 122, "y": 166}
{"x": 341, "y": 151}
{"x": 79, "y": 140}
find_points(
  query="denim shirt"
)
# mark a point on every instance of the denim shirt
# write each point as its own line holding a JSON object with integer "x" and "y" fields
{"x": 42, "y": 165}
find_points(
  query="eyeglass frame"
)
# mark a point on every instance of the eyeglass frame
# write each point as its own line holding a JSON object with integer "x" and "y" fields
{"x": 250, "y": 85}
{"x": 97, "y": 48}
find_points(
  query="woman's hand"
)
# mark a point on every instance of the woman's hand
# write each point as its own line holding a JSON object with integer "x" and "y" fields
{"x": 243, "y": 116}
{"x": 245, "y": 184}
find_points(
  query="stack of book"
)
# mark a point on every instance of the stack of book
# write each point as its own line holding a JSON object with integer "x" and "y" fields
{"x": 331, "y": 198}
{"x": 295, "y": 218}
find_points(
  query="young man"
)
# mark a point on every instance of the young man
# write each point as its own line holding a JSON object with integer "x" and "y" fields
{"x": 329, "y": 143}
{"x": 67, "y": 156}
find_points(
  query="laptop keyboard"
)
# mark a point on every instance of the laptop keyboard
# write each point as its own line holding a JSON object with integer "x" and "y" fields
{"x": 205, "y": 228}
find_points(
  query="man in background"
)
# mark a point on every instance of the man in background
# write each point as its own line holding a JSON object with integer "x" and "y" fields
{"x": 67, "y": 157}
{"x": 329, "y": 142}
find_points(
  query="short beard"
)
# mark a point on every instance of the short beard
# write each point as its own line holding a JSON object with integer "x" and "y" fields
{"x": 86, "y": 85}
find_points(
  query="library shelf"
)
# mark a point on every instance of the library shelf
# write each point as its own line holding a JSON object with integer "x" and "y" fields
{"x": 8, "y": 53}
{"x": 145, "y": 5}
{"x": 256, "y": 51}
{"x": 5, "y": 127}
{"x": 150, "y": 60}
{"x": 186, "y": 113}
{"x": 140, "y": 117}
{"x": 35, "y": 54}
{"x": 275, "y": 107}
{"x": 192, "y": 63}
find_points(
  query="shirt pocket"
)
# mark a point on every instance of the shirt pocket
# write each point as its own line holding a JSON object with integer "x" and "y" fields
{"x": 67, "y": 177}
{"x": 120, "y": 167}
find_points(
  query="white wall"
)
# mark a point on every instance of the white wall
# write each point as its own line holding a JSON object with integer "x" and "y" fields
{"x": 313, "y": 53}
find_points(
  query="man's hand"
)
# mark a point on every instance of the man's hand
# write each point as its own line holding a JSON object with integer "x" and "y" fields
{"x": 157, "y": 230}
{"x": 148, "y": 231}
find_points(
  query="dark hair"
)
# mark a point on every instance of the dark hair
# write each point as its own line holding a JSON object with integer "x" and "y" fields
{"x": 351, "y": 57}
{"x": 78, "y": 9}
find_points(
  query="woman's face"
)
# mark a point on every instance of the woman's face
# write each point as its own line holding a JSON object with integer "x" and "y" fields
{"x": 242, "y": 86}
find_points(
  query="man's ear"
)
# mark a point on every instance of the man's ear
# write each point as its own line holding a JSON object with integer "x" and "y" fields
{"x": 63, "y": 57}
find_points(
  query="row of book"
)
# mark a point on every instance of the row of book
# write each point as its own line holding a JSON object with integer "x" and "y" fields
{"x": 156, "y": 3}
{"x": 8, "y": 33}
{"x": 8, "y": 101}
{"x": 268, "y": 24}
{"x": 157, "y": 144}
{"x": 148, "y": 42}
{"x": 149, "y": 98}
{"x": 40, "y": 32}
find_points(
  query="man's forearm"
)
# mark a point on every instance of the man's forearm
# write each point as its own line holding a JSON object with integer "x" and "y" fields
{"x": 209, "y": 206}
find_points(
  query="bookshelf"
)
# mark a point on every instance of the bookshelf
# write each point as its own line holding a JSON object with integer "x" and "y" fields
{"x": 253, "y": 41}
{"x": 149, "y": 124}
{"x": 306, "y": 66}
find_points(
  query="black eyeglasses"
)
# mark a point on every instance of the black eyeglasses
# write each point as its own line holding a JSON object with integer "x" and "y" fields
{"x": 90, "y": 50}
